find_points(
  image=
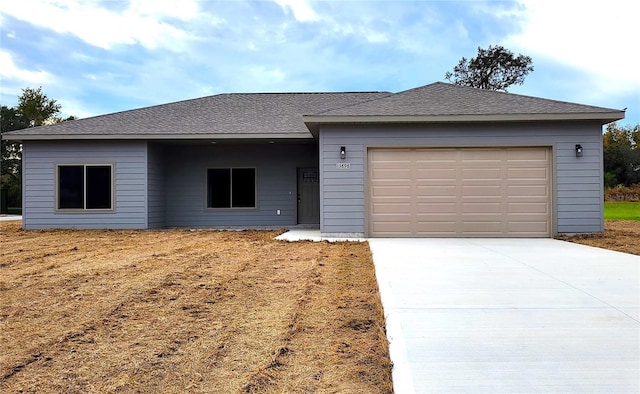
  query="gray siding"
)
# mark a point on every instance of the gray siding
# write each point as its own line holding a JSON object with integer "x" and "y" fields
{"x": 156, "y": 191}
{"x": 576, "y": 198}
{"x": 130, "y": 182}
{"x": 276, "y": 173}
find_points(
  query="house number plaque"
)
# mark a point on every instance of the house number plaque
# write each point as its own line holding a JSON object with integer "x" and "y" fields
{"x": 343, "y": 166}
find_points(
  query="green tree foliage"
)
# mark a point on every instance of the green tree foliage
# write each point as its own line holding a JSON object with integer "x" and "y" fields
{"x": 10, "y": 168}
{"x": 495, "y": 68}
{"x": 34, "y": 109}
{"x": 11, "y": 119}
{"x": 621, "y": 155}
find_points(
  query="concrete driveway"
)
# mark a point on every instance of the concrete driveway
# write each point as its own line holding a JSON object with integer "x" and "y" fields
{"x": 509, "y": 315}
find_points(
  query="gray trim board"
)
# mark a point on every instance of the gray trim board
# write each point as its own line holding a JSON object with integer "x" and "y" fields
{"x": 314, "y": 122}
{"x": 155, "y": 137}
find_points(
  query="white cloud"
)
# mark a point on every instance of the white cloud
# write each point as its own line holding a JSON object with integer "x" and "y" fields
{"x": 10, "y": 71}
{"x": 160, "y": 9}
{"x": 597, "y": 38}
{"x": 144, "y": 22}
{"x": 301, "y": 9}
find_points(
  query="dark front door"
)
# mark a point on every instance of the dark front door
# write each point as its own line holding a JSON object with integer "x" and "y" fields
{"x": 308, "y": 196}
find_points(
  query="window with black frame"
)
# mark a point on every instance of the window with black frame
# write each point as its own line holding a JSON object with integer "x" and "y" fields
{"x": 85, "y": 187}
{"x": 231, "y": 188}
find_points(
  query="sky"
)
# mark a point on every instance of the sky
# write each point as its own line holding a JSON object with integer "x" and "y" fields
{"x": 102, "y": 56}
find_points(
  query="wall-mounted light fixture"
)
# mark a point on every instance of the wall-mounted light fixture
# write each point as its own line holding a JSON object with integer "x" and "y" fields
{"x": 578, "y": 150}
{"x": 343, "y": 152}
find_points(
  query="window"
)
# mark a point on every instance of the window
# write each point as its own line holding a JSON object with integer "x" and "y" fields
{"x": 231, "y": 188}
{"x": 85, "y": 187}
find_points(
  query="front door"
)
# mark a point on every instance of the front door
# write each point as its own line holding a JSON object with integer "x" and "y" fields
{"x": 308, "y": 196}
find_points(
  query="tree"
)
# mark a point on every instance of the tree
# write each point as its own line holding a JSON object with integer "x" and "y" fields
{"x": 34, "y": 109}
{"x": 10, "y": 152}
{"x": 10, "y": 119}
{"x": 495, "y": 68}
{"x": 621, "y": 155}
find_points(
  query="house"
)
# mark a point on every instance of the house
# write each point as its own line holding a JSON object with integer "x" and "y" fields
{"x": 434, "y": 161}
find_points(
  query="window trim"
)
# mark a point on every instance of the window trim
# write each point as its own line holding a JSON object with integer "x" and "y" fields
{"x": 230, "y": 209}
{"x": 84, "y": 202}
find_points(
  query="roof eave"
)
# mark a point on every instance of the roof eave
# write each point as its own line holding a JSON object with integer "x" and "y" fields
{"x": 154, "y": 137}
{"x": 314, "y": 121}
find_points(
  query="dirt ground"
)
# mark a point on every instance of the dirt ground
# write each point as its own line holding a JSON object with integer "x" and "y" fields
{"x": 187, "y": 311}
{"x": 620, "y": 235}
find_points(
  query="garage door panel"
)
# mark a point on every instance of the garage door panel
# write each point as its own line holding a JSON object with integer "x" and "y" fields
{"x": 460, "y": 192}
{"x": 528, "y": 207}
{"x": 436, "y": 217}
{"x": 444, "y": 207}
{"x": 393, "y": 217}
{"x": 391, "y": 207}
{"x": 480, "y": 217}
{"x": 525, "y": 217}
{"x": 391, "y": 174}
{"x": 392, "y": 228}
{"x": 482, "y": 227}
{"x": 529, "y": 229}
{"x": 436, "y": 228}
{"x": 481, "y": 191}
{"x": 435, "y": 157}
{"x": 481, "y": 173}
{"x": 482, "y": 207}
{"x": 435, "y": 190}
{"x": 525, "y": 199}
{"x": 435, "y": 173}
{"x": 528, "y": 154}
{"x": 526, "y": 190}
{"x": 391, "y": 190}
{"x": 527, "y": 173}
{"x": 479, "y": 154}
{"x": 434, "y": 183}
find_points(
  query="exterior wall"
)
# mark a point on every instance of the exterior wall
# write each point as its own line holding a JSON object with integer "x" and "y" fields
{"x": 130, "y": 183}
{"x": 577, "y": 202}
{"x": 156, "y": 192}
{"x": 276, "y": 178}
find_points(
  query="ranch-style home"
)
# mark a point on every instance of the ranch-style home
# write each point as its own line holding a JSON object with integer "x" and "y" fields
{"x": 434, "y": 161}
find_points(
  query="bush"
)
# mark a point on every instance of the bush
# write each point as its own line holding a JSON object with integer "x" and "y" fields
{"x": 610, "y": 180}
{"x": 622, "y": 193}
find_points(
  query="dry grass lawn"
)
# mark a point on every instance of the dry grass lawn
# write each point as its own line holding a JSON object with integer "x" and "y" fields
{"x": 187, "y": 311}
{"x": 620, "y": 235}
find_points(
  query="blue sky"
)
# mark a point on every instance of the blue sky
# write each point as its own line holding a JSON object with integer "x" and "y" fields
{"x": 102, "y": 56}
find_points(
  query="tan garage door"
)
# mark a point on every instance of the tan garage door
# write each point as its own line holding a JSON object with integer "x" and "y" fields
{"x": 461, "y": 192}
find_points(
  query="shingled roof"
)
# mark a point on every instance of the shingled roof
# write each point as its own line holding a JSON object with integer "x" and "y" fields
{"x": 236, "y": 115}
{"x": 446, "y": 99}
{"x": 442, "y": 102}
{"x": 293, "y": 115}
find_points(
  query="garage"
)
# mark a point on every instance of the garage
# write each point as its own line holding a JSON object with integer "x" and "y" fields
{"x": 459, "y": 192}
